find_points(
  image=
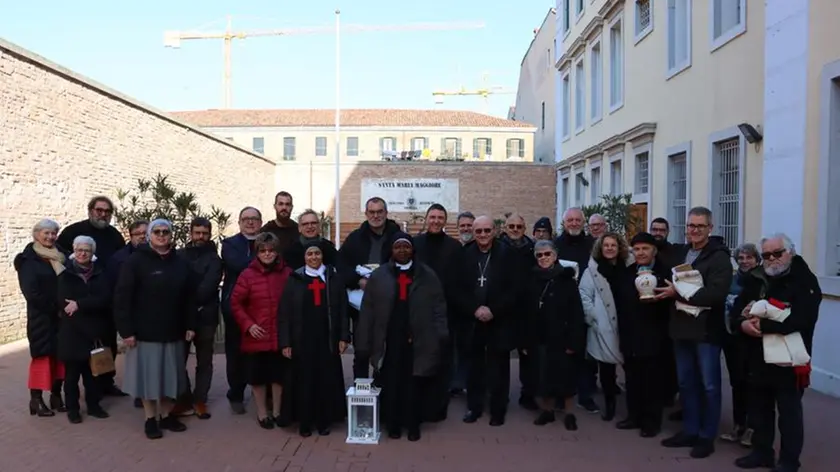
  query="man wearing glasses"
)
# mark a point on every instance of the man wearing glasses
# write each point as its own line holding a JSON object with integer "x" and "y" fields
{"x": 522, "y": 250}
{"x": 237, "y": 253}
{"x": 698, "y": 330}
{"x": 108, "y": 242}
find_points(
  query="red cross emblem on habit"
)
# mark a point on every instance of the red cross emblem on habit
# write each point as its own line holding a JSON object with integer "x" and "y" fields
{"x": 316, "y": 286}
{"x": 404, "y": 281}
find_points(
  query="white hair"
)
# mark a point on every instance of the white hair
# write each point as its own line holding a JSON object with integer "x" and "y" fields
{"x": 786, "y": 241}
{"x": 597, "y": 217}
{"x": 566, "y": 213}
{"x": 544, "y": 244}
{"x": 46, "y": 223}
{"x": 83, "y": 240}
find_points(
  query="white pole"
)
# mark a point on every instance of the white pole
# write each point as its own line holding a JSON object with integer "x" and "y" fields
{"x": 337, "y": 127}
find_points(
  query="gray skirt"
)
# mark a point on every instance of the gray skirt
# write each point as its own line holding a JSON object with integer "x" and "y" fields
{"x": 155, "y": 370}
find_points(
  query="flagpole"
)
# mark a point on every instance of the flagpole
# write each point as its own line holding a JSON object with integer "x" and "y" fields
{"x": 337, "y": 127}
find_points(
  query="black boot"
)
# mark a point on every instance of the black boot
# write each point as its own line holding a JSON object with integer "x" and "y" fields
{"x": 56, "y": 403}
{"x": 609, "y": 408}
{"x": 37, "y": 405}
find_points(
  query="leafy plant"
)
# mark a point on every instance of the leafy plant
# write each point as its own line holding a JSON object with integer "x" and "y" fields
{"x": 619, "y": 212}
{"x": 157, "y": 198}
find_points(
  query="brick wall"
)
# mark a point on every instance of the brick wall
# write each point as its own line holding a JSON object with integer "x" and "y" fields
{"x": 64, "y": 138}
{"x": 489, "y": 188}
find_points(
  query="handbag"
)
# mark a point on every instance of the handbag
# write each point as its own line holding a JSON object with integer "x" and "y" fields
{"x": 101, "y": 360}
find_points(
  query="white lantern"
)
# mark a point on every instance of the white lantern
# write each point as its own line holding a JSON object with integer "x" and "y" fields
{"x": 363, "y": 413}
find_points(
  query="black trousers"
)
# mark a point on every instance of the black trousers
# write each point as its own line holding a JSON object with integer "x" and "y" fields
{"x": 233, "y": 359}
{"x": 204, "y": 341}
{"x": 489, "y": 370}
{"x": 765, "y": 398}
{"x": 736, "y": 366}
{"x": 73, "y": 371}
{"x": 527, "y": 389}
{"x": 668, "y": 366}
{"x": 607, "y": 376}
{"x": 644, "y": 391}
{"x": 460, "y": 354}
{"x": 361, "y": 360}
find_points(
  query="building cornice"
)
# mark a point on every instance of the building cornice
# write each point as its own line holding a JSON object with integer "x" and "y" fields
{"x": 609, "y": 8}
{"x": 330, "y": 130}
{"x": 636, "y": 136}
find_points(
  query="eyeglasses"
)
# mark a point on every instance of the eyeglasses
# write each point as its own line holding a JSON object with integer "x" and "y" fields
{"x": 516, "y": 226}
{"x": 83, "y": 251}
{"x": 267, "y": 250}
{"x": 482, "y": 230}
{"x": 309, "y": 223}
{"x": 540, "y": 255}
{"x": 769, "y": 256}
{"x": 161, "y": 232}
{"x": 693, "y": 227}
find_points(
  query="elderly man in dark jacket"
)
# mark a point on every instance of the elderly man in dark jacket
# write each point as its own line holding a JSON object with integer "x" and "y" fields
{"x": 202, "y": 255}
{"x": 785, "y": 281}
{"x": 404, "y": 308}
{"x": 697, "y": 328}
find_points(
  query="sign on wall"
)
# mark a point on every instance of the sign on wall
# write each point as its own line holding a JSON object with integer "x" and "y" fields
{"x": 412, "y": 195}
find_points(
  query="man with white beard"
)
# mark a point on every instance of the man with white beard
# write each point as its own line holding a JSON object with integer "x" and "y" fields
{"x": 576, "y": 246}
{"x": 785, "y": 281}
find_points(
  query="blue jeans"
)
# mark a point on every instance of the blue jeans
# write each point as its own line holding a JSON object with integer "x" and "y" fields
{"x": 698, "y": 370}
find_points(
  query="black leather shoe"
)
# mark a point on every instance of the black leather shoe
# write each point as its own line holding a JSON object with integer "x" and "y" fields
{"x": 680, "y": 440}
{"x": 627, "y": 424}
{"x": 97, "y": 412}
{"x": 497, "y": 420}
{"x": 649, "y": 432}
{"x": 394, "y": 433}
{"x": 305, "y": 431}
{"x": 74, "y": 417}
{"x": 414, "y": 435}
{"x": 471, "y": 416}
{"x": 755, "y": 461}
{"x": 56, "y": 403}
{"x": 703, "y": 448}
{"x": 570, "y": 422}
{"x": 545, "y": 418}
{"x": 152, "y": 429}
{"x": 114, "y": 391}
{"x": 266, "y": 423}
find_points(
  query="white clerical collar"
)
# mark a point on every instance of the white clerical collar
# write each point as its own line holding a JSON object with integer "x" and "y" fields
{"x": 404, "y": 266}
{"x": 319, "y": 272}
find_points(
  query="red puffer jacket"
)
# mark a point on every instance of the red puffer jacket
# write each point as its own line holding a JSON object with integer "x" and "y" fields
{"x": 255, "y": 299}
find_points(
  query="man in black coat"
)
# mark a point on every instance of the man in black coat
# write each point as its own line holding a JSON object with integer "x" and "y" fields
{"x": 786, "y": 282}
{"x": 309, "y": 224}
{"x": 522, "y": 249}
{"x": 108, "y": 242}
{"x": 643, "y": 337}
{"x": 445, "y": 256}
{"x": 697, "y": 328}
{"x": 576, "y": 246}
{"x": 365, "y": 246}
{"x": 490, "y": 272}
{"x": 665, "y": 250}
{"x": 204, "y": 258}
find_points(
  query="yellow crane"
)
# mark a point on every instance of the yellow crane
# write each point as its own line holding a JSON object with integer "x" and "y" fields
{"x": 484, "y": 92}
{"x": 173, "y": 39}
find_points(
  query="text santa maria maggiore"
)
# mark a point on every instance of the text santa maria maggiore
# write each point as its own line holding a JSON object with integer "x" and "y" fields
{"x": 410, "y": 185}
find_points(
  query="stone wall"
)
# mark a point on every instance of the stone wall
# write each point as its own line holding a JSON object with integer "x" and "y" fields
{"x": 491, "y": 188}
{"x": 65, "y": 138}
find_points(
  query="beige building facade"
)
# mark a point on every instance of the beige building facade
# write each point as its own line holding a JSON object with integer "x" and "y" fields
{"x": 365, "y": 135}
{"x": 651, "y": 94}
{"x": 535, "y": 96}
{"x": 65, "y": 138}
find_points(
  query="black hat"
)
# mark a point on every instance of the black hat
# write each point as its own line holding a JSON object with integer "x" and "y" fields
{"x": 544, "y": 223}
{"x": 643, "y": 238}
{"x": 402, "y": 236}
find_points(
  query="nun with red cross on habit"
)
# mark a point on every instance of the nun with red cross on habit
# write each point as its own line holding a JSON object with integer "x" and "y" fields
{"x": 313, "y": 331}
{"x": 403, "y": 325}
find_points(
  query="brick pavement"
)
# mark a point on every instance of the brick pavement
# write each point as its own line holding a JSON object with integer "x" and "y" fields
{"x": 228, "y": 443}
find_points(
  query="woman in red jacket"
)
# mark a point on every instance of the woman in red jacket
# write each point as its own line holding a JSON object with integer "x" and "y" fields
{"x": 254, "y": 302}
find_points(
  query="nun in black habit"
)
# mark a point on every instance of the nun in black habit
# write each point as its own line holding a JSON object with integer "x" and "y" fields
{"x": 403, "y": 325}
{"x": 314, "y": 331}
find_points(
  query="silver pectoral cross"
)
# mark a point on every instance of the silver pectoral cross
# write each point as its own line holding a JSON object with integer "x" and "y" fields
{"x": 481, "y": 281}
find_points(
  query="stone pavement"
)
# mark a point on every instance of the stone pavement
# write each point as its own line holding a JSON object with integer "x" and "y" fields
{"x": 228, "y": 443}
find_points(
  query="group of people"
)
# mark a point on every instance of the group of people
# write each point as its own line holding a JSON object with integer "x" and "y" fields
{"x": 428, "y": 316}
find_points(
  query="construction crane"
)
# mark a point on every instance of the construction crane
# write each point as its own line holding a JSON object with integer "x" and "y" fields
{"x": 173, "y": 39}
{"x": 484, "y": 91}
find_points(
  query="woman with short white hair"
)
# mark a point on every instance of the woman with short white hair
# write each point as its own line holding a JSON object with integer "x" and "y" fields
{"x": 38, "y": 267}
{"x": 155, "y": 313}
{"x": 84, "y": 295}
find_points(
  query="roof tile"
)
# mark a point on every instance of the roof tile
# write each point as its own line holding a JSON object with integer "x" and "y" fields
{"x": 349, "y": 117}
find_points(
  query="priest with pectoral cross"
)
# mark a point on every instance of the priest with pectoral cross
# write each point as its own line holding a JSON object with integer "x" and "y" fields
{"x": 490, "y": 272}
{"x": 313, "y": 329}
{"x": 403, "y": 325}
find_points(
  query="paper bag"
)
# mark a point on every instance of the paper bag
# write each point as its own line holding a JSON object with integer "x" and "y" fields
{"x": 101, "y": 360}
